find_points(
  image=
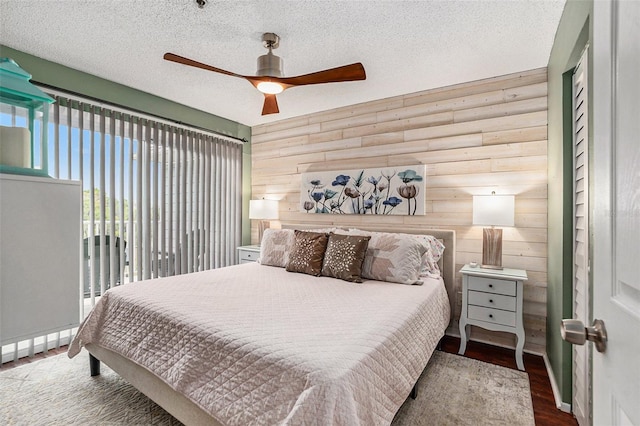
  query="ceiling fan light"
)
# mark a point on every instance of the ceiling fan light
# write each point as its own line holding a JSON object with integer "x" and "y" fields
{"x": 270, "y": 87}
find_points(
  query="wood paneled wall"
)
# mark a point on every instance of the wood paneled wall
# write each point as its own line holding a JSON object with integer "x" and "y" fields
{"x": 476, "y": 137}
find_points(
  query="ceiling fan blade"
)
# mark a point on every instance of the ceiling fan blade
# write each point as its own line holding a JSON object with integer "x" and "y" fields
{"x": 270, "y": 105}
{"x": 186, "y": 61}
{"x": 350, "y": 72}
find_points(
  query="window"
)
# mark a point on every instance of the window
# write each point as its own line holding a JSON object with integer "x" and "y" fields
{"x": 159, "y": 198}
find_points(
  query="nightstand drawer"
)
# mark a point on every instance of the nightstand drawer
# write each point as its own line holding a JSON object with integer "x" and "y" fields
{"x": 490, "y": 285}
{"x": 490, "y": 300}
{"x": 495, "y": 316}
{"x": 248, "y": 256}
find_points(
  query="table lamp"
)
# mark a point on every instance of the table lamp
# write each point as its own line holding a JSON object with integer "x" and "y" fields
{"x": 263, "y": 211}
{"x": 493, "y": 210}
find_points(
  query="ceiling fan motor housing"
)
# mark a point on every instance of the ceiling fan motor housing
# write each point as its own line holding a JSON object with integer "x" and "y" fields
{"x": 270, "y": 65}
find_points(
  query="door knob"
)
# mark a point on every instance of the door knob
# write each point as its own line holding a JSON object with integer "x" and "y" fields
{"x": 574, "y": 332}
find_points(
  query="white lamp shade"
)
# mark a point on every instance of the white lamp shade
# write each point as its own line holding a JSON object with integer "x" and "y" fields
{"x": 263, "y": 209}
{"x": 493, "y": 210}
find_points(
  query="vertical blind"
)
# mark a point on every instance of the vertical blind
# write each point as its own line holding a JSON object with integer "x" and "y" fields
{"x": 159, "y": 198}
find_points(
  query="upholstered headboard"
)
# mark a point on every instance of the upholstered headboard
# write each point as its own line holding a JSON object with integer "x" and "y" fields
{"x": 447, "y": 236}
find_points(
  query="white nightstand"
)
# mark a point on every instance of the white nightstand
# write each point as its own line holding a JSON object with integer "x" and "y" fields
{"x": 492, "y": 299}
{"x": 248, "y": 254}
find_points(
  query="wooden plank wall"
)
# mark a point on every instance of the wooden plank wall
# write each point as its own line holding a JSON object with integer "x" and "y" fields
{"x": 474, "y": 138}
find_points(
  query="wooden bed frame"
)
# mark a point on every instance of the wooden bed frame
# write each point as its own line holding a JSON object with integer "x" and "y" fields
{"x": 188, "y": 412}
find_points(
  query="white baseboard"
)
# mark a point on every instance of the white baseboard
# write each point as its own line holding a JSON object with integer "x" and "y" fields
{"x": 562, "y": 406}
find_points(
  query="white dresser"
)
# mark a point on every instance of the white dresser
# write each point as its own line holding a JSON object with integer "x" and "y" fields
{"x": 492, "y": 299}
{"x": 40, "y": 248}
{"x": 247, "y": 254}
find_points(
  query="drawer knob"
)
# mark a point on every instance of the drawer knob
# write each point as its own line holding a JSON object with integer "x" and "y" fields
{"x": 490, "y": 315}
{"x": 490, "y": 300}
{"x": 490, "y": 285}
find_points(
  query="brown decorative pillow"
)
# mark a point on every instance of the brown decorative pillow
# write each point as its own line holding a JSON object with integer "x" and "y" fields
{"x": 344, "y": 256}
{"x": 308, "y": 252}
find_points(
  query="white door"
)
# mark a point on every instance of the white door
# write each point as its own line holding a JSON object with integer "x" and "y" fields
{"x": 616, "y": 210}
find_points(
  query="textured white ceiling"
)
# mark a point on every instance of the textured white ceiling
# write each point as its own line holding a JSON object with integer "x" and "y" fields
{"x": 405, "y": 46}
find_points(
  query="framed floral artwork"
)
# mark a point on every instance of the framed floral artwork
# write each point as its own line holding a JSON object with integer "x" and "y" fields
{"x": 380, "y": 191}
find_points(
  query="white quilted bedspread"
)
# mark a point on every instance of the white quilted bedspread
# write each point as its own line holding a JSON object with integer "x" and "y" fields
{"x": 256, "y": 345}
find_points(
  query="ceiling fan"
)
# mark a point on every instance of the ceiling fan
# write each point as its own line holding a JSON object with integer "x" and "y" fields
{"x": 270, "y": 80}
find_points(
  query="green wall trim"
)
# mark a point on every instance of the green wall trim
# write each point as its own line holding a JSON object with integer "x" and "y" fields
{"x": 573, "y": 34}
{"x": 69, "y": 79}
{"x": 66, "y": 78}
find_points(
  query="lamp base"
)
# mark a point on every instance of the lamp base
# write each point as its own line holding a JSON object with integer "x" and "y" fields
{"x": 492, "y": 248}
{"x": 494, "y": 267}
{"x": 262, "y": 225}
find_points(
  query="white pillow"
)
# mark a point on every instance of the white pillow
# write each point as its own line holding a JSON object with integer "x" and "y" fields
{"x": 435, "y": 249}
{"x": 276, "y": 246}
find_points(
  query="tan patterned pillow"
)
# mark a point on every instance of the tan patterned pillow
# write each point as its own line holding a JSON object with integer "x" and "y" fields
{"x": 308, "y": 252}
{"x": 391, "y": 257}
{"x": 344, "y": 257}
{"x": 276, "y": 246}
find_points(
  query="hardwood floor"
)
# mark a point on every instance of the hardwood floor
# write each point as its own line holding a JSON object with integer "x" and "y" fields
{"x": 544, "y": 406}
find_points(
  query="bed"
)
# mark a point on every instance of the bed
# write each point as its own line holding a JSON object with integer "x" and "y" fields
{"x": 256, "y": 344}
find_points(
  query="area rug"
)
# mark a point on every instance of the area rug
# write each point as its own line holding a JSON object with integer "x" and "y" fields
{"x": 452, "y": 390}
